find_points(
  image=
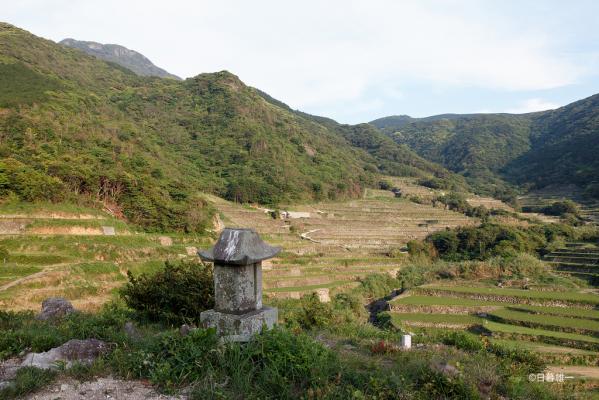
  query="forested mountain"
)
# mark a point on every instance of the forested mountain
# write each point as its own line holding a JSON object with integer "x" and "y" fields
{"x": 115, "y": 53}
{"x": 564, "y": 148}
{"x": 476, "y": 146}
{"x": 76, "y": 128}
{"x": 497, "y": 151}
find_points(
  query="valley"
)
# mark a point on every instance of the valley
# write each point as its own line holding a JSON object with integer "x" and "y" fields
{"x": 452, "y": 256}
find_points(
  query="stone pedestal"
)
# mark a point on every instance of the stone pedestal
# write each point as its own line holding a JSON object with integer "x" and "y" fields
{"x": 240, "y": 328}
{"x": 238, "y": 312}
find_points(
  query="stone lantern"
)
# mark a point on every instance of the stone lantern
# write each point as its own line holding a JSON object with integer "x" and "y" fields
{"x": 238, "y": 312}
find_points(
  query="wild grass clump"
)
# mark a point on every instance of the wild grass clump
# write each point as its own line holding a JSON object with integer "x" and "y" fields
{"x": 178, "y": 293}
{"x": 28, "y": 380}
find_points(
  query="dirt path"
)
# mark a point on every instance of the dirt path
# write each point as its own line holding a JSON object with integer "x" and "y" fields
{"x": 576, "y": 370}
{"x": 100, "y": 389}
{"x": 47, "y": 269}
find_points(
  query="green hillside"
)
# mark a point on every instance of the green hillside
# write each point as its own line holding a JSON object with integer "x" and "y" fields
{"x": 76, "y": 128}
{"x": 495, "y": 152}
{"x": 476, "y": 146}
{"x": 564, "y": 148}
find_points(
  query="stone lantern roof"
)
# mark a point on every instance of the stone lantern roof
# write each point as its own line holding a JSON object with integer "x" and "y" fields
{"x": 239, "y": 247}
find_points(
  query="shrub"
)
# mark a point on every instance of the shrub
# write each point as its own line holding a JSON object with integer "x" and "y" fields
{"x": 456, "y": 202}
{"x": 560, "y": 208}
{"x": 385, "y": 185}
{"x": 490, "y": 239}
{"x": 311, "y": 313}
{"x": 418, "y": 248}
{"x": 177, "y": 293}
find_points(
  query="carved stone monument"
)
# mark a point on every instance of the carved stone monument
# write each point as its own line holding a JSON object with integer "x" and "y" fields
{"x": 238, "y": 312}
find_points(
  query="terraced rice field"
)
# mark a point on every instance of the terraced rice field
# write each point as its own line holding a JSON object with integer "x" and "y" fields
{"x": 84, "y": 254}
{"x": 588, "y": 209}
{"x": 580, "y": 260}
{"x": 336, "y": 243}
{"x": 557, "y": 321}
{"x": 77, "y": 253}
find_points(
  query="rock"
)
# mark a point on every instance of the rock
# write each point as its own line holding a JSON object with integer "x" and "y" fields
{"x": 323, "y": 295}
{"x": 165, "y": 241}
{"x": 5, "y": 385}
{"x": 191, "y": 251}
{"x": 55, "y": 308}
{"x": 108, "y": 230}
{"x": 131, "y": 330}
{"x": 9, "y": 368}
{"x": 73, "y": 351}
{"x": 185, "y": 329}
{"x": 446, "y": 369}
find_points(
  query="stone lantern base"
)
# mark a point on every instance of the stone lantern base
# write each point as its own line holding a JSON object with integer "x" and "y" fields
{"x": 239, "y": 328}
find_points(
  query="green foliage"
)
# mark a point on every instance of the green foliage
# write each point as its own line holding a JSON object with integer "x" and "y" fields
{"x": 27, "y": 183}
{"x": 23, "y": 85}
{"x": 525, "y": 361}
{"x": 310, "y": 313}
{"x": 278, "y": 364}
{"x": 28, "y": 380}
{"x": 519, "y": 267}
{"x": 146, "y": 146}
{"x": 177, "y": 293}
{"x": 489, "y": 239}
{"x": 560, "y": 208}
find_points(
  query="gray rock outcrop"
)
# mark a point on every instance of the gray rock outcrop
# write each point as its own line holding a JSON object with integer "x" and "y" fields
{"x": 73, "y": 351}
{"x": 55, "y": 308}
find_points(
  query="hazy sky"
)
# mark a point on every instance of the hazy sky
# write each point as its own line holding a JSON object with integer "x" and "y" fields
{"x": 354, "y": 60}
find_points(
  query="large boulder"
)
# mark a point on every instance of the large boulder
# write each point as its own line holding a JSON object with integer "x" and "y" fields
{"x": 55, "y": 308}
{"x": 73, "y": 351}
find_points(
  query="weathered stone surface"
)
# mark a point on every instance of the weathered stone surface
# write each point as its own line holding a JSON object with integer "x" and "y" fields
{"x": 239, "y": 247}
{"x": 54, "y": 308}
{"x": 238, "y": 312}
{"x": 237, "y": 290}
{"x": 75, "y": 350}
{"x": 239, "y": 328}
{"x": 8, "y": 370}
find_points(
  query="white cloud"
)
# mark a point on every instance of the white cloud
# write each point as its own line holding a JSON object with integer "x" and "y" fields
{"x": 532, "y": 105}
{"x": 317, "y": 55}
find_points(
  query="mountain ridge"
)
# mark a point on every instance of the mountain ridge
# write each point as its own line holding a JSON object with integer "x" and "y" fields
{"x": 120, "y": 55}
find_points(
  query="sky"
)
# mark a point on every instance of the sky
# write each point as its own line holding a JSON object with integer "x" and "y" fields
{"x": 354, "y": 61}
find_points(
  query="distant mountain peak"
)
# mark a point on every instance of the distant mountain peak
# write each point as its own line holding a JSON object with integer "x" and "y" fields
{"x": 121, "y": 55}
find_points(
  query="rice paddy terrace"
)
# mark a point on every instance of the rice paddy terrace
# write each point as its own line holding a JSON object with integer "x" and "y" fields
{"x": 330, "y": 245}
{"x": 77, "y": 253}
{"x": 562, "y": 326}
{"x": 84, "y": 254}
{"x": 588, "y": 209}
{"x": 577, "y": 259}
